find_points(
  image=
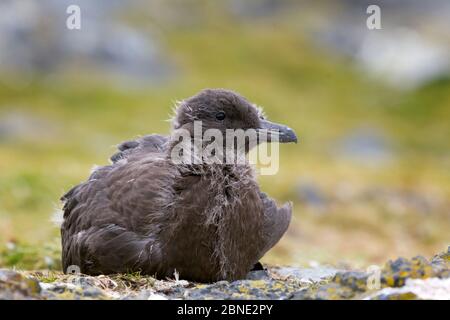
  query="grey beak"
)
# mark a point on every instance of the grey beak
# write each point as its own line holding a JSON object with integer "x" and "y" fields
{"x": 282, "y": 132}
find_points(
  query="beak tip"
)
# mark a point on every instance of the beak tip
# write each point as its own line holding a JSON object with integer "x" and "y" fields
{"x": 285, "y": 134}
{"x": 291, "y": 136}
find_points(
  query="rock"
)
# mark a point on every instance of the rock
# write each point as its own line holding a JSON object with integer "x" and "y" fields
{"x": 274, "y": 283}
{"x": 15, "y": 286}
{"x": 317, "y": 274}
{"x": 73, "y": 291}
{"x": 415, "y": 278}
{"x": 382, "y": 54}
{"x": 255, "y": 8}
{"x": 34, "y": 40}
{"x": 365, "y": 146}
{"x": 403, "y": 34}
{"x": 258, "y": 275}
{"x": 244, "y": 290}
{"x": 428, "y": 289}
{"x": 395, "y": 274}
{"x": 16, "y": 125}
{"x": 310, "y": 194}
{"x": 149, "y": 295}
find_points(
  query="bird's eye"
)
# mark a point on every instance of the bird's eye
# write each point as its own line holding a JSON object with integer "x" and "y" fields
{"x": 220, "y": 115}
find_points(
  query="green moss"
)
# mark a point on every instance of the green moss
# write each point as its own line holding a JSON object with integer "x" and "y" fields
{"x": 47, "y": 277}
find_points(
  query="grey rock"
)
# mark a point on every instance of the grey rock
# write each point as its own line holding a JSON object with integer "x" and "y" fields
{"x": 402, "y": 53}
{"x": 258, "y": 275}
{"x": 256, "y": 8}
{"x": 316, "y": 274}
{"x": 72, "y": 290}
{"x": 21, "y": 125}
{"x": 245, "y": 290}
{"x": 34, "y": 39}
{"x": 310, "y": 194}
{"x": 15, "y": 286}
{"x": 424, "y": 289}
{"x": 415, "y": 278}
{"x": 365, "y": 146}
{"x": 150, "y": 295}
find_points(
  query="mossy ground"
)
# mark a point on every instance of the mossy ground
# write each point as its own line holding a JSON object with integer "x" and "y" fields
{"x": 416, "y": 278}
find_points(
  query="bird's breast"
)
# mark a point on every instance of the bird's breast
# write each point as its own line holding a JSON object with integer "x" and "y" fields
{"x": 219, "y": 225}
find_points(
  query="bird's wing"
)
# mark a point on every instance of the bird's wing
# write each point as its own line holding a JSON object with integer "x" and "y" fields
{"x": 276, "y": 221}
{"x": 93, "y": 219}
{"x": 147, "y": 144}
{"x": 105, "y": 227}
{"x": 108, "y": 249}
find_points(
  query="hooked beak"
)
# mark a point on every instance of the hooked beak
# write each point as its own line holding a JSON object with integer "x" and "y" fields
{"x": 278, "y": 132}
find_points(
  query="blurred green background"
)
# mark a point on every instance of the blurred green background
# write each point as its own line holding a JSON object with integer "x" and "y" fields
{"x": 370, "y": 178}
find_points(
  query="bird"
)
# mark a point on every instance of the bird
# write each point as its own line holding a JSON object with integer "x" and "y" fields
{"x": 204, "y": 222}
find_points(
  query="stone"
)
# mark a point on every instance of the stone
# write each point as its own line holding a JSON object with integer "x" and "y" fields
{"x": 426, "y": 289}
{"x": 34, "y": 41}
{"x": 415, "y": 278}
{"x": 16, "y": 286}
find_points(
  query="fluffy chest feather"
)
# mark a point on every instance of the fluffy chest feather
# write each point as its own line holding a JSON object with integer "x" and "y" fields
{"x": 220, "y": 220}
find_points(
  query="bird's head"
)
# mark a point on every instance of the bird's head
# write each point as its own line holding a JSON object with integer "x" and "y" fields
{"x": 224, "y": 109}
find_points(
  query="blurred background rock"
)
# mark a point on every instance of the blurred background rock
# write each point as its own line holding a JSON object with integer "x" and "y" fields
{"x": 371, "y": 108}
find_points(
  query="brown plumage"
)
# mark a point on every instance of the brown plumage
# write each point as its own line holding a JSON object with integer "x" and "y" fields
{"x": 145, "y": 213}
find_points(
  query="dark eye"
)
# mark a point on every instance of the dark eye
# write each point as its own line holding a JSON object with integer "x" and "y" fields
{"x": 220, "y": 115}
